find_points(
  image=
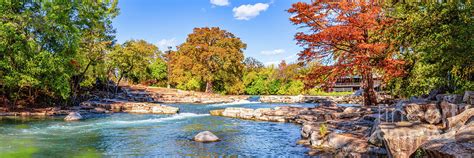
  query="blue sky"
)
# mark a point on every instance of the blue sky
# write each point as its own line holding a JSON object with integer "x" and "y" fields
{"x": 262, "y": 24}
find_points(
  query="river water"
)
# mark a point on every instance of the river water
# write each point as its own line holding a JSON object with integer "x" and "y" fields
{"x": 148, "y": 135}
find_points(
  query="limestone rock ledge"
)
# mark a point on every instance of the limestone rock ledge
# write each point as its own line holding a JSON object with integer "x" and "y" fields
{"x": 130, "y": 107}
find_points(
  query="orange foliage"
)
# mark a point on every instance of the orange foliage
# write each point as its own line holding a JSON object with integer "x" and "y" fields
{"x": 348, "y": 33}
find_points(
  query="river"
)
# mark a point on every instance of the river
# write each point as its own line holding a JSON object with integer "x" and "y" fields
{"x": 138, "y": 135}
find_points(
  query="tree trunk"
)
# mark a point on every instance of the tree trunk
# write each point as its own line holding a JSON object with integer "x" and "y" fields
{"x": 209, "y": 87}
{"x": 117, "y": 86}
{"x": 370, "y": 97}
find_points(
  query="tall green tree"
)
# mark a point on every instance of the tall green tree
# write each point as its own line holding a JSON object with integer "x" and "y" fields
{"x": 210, "y": 56}
{"x": 39, "y": 43}
{"x": 133, "y": 56}
{"x": 96, "y": 39}
{"x": 437, "y": 41}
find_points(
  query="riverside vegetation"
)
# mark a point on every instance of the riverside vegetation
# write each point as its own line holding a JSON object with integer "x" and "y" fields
{"x": 58, "y": 53}
{"x": 60, "y": 57}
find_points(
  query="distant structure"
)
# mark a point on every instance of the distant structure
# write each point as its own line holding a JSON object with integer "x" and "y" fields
{"x": 351, "y": 84}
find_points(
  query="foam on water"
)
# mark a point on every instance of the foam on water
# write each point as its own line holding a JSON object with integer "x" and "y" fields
{"x": 80, "y": 127}
{"x": 155, "y": 120}
{"x": 236, "y": 103}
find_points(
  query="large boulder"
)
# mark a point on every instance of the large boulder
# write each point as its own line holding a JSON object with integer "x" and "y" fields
{"x": 162, "y": 109}
{"x": 73, "y": 116}
{"x": 456, "y": 122}
{"x": 216, "y": 112}
{"x": 234, "y": 112}
{"x": 206, "y": 136}
{"x": 453, "y": 98}
{"x": 432, "y": 114}
{"x": 448, "y": 109}
{"x": 403, "y": 138}
{"x": 316, "y": 139}
{"x": 465, "y": 133}
{"x": 456, "y": 144}
{"x": 308, "y": 128}
{"x": 423, "y": 112}
{"x": 468, "y": 97}
{"x": 414, "y": 111}
{"x": 375, "y": 137}
{"x": 347, "y": 143}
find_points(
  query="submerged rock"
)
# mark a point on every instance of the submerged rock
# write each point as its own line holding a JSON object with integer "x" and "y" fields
{"x": 73, "y": 116}
{"x": 206, "y": 136}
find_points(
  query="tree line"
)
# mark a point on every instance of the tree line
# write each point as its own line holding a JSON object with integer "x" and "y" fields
{"x": 58, "y": 53}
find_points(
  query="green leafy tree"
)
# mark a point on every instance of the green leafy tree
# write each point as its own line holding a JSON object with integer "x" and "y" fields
{"x": 39, "y": 46}
{"x": 437, "y": 41}
{"x": 210, "y": 55}
{"x": 131, "y": 57}
{"x": 96, "y": 39}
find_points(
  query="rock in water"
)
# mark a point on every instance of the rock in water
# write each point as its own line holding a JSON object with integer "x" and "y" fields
{"x": 216, "y": 112}
{"x": 161, "y": 109}
{"x": 206, "y": 136}
{"x": 73, "y": 116}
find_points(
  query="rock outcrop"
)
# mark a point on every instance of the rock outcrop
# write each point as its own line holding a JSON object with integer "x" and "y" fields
{"x": 131, "y": 107}
{"x": 169, "y": 95}
{"x": 347, "y": 143}
{"x": 458, "y": 144}
{"x": 398, "y": 130}
{"x": 468, "y": 97}
{"x": 403, "y": 138}
{"x": 205, "y": 137}
{"x": 456, "y": 122}
{"x": 347, "y": 99}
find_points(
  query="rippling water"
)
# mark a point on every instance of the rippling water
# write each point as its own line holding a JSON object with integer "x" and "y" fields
{"x": 129, "y": 135}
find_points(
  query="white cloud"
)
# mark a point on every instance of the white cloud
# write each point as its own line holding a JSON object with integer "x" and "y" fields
{"x": 165, "y": 43}
{"x": 220, "y": 2}
{"x": 273, "y": 52}
{"x": 248, "y": 11}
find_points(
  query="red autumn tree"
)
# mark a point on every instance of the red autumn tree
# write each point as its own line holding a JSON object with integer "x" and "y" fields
{"x": 347, "y": 35}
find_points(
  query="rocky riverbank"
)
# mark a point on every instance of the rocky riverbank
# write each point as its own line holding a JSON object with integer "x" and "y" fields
{"x": 441, "y": 127}
{"x": 169, "y": 95}
{"x": 347, "y": 99}
{"x": 131, "y": 99}
{"x": 97, "y": 107}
